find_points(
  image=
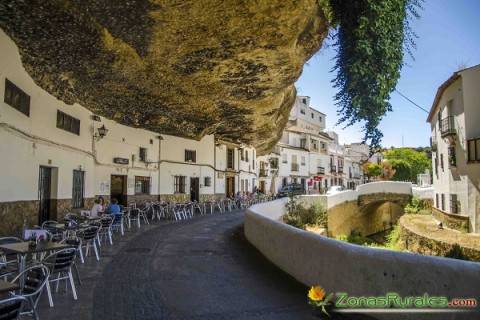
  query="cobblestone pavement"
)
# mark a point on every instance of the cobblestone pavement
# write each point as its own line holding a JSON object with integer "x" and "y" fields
{"x": 199, "y": 269}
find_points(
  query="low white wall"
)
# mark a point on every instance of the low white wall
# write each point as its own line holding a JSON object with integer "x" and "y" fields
{"x": 385, "y": 187}
{"x": 359, "y": 271}
{"x": 423, "y": 193}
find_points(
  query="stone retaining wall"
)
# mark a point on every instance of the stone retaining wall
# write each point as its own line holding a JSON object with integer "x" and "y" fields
{"x": 453, "y": 221}
{"x": 357, "y": 270}
{"x": 414, "y": 241}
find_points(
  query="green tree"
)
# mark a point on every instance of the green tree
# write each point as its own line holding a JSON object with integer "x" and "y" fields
{"x": 408, "y": 163}
{"x": 370, "y": 42}
{"x": 372, "y": 170}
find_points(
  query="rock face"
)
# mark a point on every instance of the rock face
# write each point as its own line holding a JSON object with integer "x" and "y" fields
{"x": 183, "y": 67}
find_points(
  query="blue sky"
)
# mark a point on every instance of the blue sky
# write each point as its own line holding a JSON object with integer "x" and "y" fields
{"x": 449, "y": 36}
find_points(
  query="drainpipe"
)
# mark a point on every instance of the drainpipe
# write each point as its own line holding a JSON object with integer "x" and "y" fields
{"x": 160, "y": 139}
{"x": 214, "y": 168}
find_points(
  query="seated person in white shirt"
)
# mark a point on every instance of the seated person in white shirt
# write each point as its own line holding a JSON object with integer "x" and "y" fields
{"x": 97, "y": 209}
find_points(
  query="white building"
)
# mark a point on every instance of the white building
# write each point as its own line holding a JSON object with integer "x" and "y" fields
{"x": 307, "y": 155}
{"x": 455, "y": 119}
{"x": 59, "y": 157}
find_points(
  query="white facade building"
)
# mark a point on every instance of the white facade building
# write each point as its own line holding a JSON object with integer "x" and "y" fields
{"x": 455, "y": 119}
{"x": 59, "y": 157}
{"x": 307, "y": 155}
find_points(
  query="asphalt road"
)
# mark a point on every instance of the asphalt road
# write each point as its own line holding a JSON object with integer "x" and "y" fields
{"x": 198, "y": 269}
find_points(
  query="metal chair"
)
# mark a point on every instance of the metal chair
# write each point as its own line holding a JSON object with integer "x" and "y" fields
{"x": 118, "y": 223}
{"x": 105, "y": 232}
{"x": 60, "y": 265}
{"x": 11, "y": 308}
{"x": 75, "y": 242}
{"x": 89, "y": 237}
{"x": 133, "y": 215}
{"x": 35, "y": 279}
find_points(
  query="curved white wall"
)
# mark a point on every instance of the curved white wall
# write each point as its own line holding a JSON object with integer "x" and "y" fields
{"x": 357, "y": 270}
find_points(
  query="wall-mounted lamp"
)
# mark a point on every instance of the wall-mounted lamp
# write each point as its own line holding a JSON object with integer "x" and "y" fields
{"x": 101, "y": 132}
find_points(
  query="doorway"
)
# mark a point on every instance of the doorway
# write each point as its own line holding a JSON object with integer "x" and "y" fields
{"x": 230, "y": 187}
{"x": 262, "y": 187}
{"x": 118, "y": 189}
{"x": 47, "y": 207}
{"x": 194, "y": 189}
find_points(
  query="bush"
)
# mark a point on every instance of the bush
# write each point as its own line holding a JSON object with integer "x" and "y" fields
{"x": 393, "y": 238}
{"x": 418, "y": 205}
{"x": 299, "y": 216}
{"x": 456, "y": 253}
{"x": 355, "y": 237}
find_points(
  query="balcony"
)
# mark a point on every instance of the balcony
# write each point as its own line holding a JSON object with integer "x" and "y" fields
{"x": 447, "y": 127}
{"x": 320, "y": 170}
{"x": 295, "y": 167}
{"x": 263, "y": 173}
{"x": 340, "y": 169}
{"x": 333, "y": 168}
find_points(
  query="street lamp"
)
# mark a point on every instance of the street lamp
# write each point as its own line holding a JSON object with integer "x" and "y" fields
{"x": 101, "y": 132}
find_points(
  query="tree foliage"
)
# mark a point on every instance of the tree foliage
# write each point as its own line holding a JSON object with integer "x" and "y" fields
{"x": 408, "y": 163}
{"x": 370, "y": 42}
{"x": 372, "y": 169}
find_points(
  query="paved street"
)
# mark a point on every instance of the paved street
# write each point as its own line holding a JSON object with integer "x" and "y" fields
{"x": 198, "y": 269}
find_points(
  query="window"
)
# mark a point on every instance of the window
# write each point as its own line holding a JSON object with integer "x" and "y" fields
{"x": 452, "y": 157}
{"x": 143, "y": 154}
{"x": 284, "y": 182}
{"x": 302, "y": 111}
{"x": 437, "y": 202}
{"x": 313, "y": 116}
{"x": 473, "y": 150}
{"x": 443, "y": 202}
{"x": 441, "y": 161}
{"x": 242, "y": 185}
{"x": 78, "y": 189}
{"x": 320, "y": 118}
{"x": 190, "y": 156}
{"x": 304, "y": 100}
{"x": 323, "y": 146}
{"x": 453, "y": 203}
{"x": 242, "y": 157}
{"x": 284, "y": 158}
{"x": 207, "y": 181}
{"x": 230, "y": 159}
{"x": 246, "y": 155}
{"x": 436, "y": 166}
{"x": 142, "y": 185}
{"x": 68, "y": 123}
{"x": 16, "y": 98}
{"x": 273, "y": 163}
{"x": 303, "y": 143}
{"x": 179, "y": 184}
{"x": 303, "y": 160}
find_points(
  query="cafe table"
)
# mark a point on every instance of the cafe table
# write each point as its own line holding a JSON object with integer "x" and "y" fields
{"x": 6, "y": 286}
{"x": 22, "y": 249}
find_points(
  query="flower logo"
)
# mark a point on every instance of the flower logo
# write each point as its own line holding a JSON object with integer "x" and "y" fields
{"x": 318, "y": 298}
{"x": 316, "y": 293}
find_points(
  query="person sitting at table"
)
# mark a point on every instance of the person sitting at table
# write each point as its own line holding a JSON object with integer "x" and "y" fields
{"x": 97, "y": 208}
{"x": 113, "y": 207}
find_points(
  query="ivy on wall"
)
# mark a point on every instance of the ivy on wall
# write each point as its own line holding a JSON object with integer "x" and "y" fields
{"x": 371, "y": 38}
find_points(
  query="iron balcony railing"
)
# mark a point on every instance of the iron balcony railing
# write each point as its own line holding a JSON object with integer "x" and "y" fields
{"x": 294, "y": 166}
{"x": 320, "y": 170}
{"x": 447, "y": 126}
{"x": 333, "y": 168}
{"x": 340, "y": 169}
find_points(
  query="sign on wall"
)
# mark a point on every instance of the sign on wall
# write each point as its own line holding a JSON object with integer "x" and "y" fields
{"x": 121, "y": 160}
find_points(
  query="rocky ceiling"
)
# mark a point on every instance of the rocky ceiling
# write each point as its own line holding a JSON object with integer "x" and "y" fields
{"x": 188, "y": 68}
